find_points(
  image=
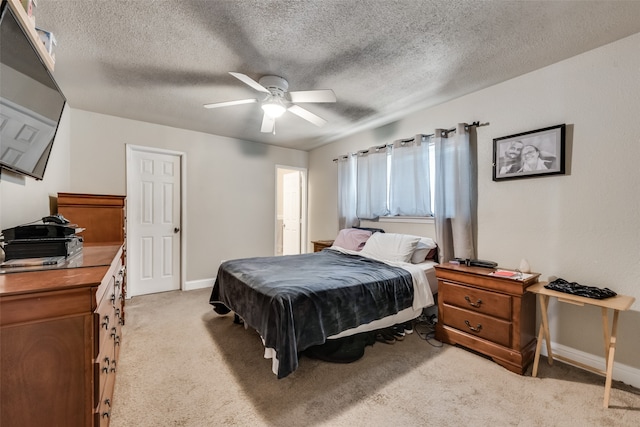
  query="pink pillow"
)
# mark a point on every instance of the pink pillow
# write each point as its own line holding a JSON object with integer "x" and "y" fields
{"x": 352, "y": 238}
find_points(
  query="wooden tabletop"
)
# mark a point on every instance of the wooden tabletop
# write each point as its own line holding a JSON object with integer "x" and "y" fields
{"x": 90, "y": 269}
{"x": 619, "y": 302}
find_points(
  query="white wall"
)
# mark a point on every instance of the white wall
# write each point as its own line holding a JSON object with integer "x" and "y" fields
{"x": 583, "y": 226}
{"x": 230, "y": 183}
{"x": 230, "y": 194}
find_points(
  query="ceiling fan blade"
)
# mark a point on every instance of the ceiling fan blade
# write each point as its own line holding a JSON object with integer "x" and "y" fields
{"x": 249, "y": 81}
{"x": 307, "y": 115}
{"x": 268, "y": 124}
{"x": 322, "y": 95}
{"x": 229, "y": 103}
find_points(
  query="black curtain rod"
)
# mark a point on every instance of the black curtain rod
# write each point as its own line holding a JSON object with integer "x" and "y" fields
{"x": 474, "y": 124}
{"x": 445, "y": 133}
{"x": 379, "y": 147}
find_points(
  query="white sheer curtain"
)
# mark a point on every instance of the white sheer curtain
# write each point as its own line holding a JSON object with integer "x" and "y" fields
{"x": 456, "y": 193}
{"x": 347, "y": 196}
{"x": 372, "y": 183}
{"x": 410, "y": 189}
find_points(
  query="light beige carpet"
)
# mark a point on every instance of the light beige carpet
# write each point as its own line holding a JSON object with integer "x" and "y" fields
{"x": 183, "y": 365}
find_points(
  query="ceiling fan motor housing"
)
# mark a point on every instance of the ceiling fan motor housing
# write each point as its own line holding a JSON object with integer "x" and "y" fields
{"x": 276, "y": 85}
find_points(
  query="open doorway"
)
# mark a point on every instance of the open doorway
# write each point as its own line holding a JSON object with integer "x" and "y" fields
{"x": 291, "y": 209}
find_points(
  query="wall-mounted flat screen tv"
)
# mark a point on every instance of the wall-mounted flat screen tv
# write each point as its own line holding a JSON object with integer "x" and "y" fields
{"x": 31, "y": 102}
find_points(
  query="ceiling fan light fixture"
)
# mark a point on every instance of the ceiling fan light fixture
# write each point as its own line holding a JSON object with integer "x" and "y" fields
{"x": 274, "y": 107}
{"x": 276, "y": 101}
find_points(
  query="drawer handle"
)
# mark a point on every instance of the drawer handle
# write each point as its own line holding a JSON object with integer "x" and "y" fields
{"x": 113, "y": 368}
{"x": 113, "y": 333}
{"x": 119, "y": 278}
{"x": 107, "y": 402}
{"x": 113, "y": 298}
{"x": 106, "y": 414}
{"x": 476, "y": 329}
{"x": 473, "y": 304}
{"x": 105, "y": 323}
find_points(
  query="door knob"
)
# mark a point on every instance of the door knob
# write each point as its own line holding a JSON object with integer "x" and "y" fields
{"x": 175, "y": 230}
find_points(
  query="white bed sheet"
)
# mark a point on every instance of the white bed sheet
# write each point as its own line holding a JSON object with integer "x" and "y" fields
{"x": 404, "y": 315}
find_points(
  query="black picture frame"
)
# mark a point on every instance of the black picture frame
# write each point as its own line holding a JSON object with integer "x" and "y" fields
{"x": 532, "y": 154}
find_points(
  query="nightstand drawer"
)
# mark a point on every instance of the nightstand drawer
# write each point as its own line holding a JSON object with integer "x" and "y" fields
{"x": 491, "y": 303}
{"x": 480, "y": 325}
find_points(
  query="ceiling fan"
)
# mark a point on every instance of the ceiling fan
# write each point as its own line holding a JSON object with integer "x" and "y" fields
{"x": 276, "y": 102}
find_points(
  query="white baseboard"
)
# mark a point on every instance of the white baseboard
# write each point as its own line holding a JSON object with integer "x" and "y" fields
{"x": 198, "y": 284}
{"x": 621, "y": 372}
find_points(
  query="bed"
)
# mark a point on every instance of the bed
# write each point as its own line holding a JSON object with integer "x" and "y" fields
{"x": 298, "y": 301}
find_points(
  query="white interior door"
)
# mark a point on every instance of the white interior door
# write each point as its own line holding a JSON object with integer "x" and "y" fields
{"x": 291, "y": 213}
{"x": 153, "y": 234}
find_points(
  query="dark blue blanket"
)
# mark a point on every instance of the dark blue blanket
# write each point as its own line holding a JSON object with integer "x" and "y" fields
{"x": 297, "y": 301}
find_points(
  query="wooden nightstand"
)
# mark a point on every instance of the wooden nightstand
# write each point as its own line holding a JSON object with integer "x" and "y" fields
{"x": 492, "y": 315}
{"x": 319, "y": 245}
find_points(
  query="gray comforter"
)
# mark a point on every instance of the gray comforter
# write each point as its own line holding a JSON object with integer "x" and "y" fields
{"x": 297, "y": 301}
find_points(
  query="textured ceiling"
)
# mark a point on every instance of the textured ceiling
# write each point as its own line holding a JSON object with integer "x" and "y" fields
{"x": 160, "y": 61}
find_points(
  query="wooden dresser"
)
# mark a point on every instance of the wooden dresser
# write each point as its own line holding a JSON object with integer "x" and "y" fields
{"x": 492, "y": 315}
{"x": 60, "y": 335}
{"x": 103, "y": 216}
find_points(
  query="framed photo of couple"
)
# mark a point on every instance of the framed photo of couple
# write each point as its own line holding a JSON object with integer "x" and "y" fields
{"x": 530, "y": 154}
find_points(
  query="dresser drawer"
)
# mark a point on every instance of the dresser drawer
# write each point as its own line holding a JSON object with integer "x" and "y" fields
{"x": 477, "y": 300}
{"x": 105, "y": 319}
{"x": 119, "y": 281}
{"x": 102, "y": 415}
{"x": 104, "y": 369}
{"x": 115, "y": 338}
{"x": 479, "y": 325}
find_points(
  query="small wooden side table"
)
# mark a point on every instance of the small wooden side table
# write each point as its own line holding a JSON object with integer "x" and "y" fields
{"x": 319, "y": 245}
{"x": 617, "y": 304}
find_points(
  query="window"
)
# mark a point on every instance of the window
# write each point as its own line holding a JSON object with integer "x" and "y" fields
{"x": 397, "y": 180}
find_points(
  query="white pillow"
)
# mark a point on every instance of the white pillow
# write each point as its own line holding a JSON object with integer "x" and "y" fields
{"x": 390, "y": 246}
{"x": 424, "y": 246}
